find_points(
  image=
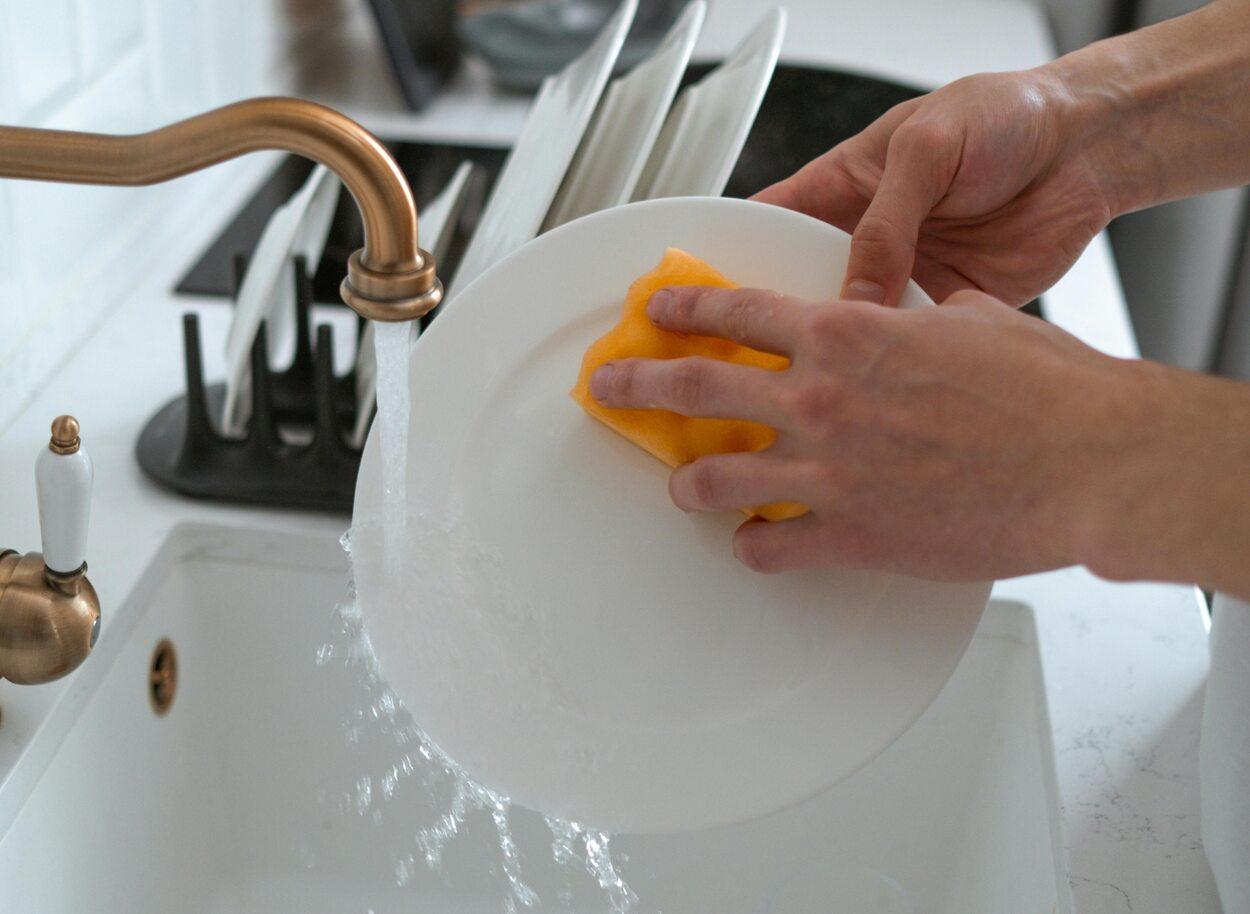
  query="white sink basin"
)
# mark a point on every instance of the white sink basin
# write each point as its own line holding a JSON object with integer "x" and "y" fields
{"x": 243, "y": 797}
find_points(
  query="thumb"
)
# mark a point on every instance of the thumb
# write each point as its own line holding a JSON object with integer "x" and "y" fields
{"x": 806, "y": 191}
{"x": 883, "y": 247}
{"x": 783, "y": 193}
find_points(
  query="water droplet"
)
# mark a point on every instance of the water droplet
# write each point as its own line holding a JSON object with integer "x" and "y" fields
{"x": 364, "y": 794}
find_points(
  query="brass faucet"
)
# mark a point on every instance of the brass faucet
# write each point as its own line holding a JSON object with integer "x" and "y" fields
{"x": 49, "y": 612}
{"x": 389, "y": 279}
{"x": 49, "y": 616}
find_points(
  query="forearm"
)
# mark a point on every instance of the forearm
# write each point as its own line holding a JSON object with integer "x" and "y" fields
{"x": 1171, "y": 500}
{"x": 1164, "y": 112}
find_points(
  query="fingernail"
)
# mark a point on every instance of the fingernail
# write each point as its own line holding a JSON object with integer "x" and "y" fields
{"x": 864, "y": 290}
{"x": 600, "y": 381}
{"x": 657, "y": 307}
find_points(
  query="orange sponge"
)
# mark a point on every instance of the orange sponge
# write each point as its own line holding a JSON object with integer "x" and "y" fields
{"x": 673, "y": 438}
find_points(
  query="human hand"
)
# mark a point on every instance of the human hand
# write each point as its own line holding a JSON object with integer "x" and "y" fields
{"x": 984, "y": 184}
{"x": 965, "y": 441}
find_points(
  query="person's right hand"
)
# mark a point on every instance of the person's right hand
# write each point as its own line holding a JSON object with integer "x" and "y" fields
{"x": 983, "y": 184}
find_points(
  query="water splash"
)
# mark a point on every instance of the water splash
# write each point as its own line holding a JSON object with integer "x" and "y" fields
{"x": 381, "y": 712}
{"x": 574, "y": 848}
{"x": 599, "y": 862}
{"x": 509, "y": 856}
{"x": 571, "y": 842}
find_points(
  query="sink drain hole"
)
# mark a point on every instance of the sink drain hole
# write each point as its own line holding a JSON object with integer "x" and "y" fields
{"x": 163, "y": 676}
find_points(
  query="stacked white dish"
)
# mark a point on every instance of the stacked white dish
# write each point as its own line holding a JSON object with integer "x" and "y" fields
{"x": 587, "y": 144}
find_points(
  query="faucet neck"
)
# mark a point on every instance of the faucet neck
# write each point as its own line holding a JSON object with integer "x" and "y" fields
{"x": 390, "y": 279}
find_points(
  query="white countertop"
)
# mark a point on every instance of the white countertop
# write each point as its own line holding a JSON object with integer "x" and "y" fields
{"x": 1124, "y": 664}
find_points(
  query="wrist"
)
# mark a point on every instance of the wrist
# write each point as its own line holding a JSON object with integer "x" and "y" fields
{"x": 1170, "y": 498}
{"x": 1158, "y": 114}
{"x": 1100, "y": 109}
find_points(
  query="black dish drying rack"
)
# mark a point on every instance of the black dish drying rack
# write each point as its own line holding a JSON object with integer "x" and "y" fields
{"x": 295, "y": 451}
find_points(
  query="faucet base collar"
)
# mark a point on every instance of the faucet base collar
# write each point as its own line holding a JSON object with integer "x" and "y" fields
{"x": 391, "y": 296}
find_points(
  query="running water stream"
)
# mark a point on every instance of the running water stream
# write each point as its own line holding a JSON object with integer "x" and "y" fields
{"x": 392, "y": 343}
{"x": 451, "y": 794}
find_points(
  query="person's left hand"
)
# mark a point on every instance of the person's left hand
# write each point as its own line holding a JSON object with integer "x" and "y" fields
{"x": 958, "y": 442}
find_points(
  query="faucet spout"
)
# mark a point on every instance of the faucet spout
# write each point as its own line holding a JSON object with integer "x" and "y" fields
{"x": 389, "y": 279}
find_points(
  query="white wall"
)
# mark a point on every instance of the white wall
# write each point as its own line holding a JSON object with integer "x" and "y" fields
{"x": 112, "y": 66}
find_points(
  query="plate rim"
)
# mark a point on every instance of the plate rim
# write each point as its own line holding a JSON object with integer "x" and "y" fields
{"x": 978, "y": 592}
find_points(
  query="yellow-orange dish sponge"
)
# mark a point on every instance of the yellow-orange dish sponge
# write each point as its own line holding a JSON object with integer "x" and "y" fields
{"x": 673, "y": 438}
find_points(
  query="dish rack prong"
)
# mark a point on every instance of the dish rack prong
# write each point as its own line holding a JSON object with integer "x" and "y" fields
{"x": 198, "y": 435}
{"x": 262, "y": 429}
{"x": 294, "y": 452}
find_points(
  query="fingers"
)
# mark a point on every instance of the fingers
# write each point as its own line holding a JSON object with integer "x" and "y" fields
{"x": 790, "y": 193}
{"x": 919, "y": 167}
{"x": 814, "y": 189}
{"x": 758, "y": 318}
{"x": 827, "y": 188}
{"x": 729, "y": 482}
{"x": 772, "y": 547}
{"x": 803, "y": 542}
{"x": 691, "y": 386}
{"x": 973, "y": 298}
{"x": 938, "y": 279}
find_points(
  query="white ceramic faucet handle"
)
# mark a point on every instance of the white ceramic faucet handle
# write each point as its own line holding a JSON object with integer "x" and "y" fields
{"x": 63, "y": 477}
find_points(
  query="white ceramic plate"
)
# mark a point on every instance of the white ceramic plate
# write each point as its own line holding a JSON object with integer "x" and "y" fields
{"x": 553, "y": 130}
{"x": 566, "y": 633}
{"x": 708, "y": 126}
{"x": 615, "y": 149}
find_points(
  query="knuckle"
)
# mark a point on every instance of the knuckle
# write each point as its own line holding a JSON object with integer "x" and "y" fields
{"x": 815, "y": 403}
{"x": 739, "y": 315}
{"x": 684, "y": 304}
{"x": 752, "y": 551}
{"x": 876, "y": 231}
{"x": 826, "y": 325}
{"x": 854, "y": 547}
{"x": 832, "y": 480}
{"x": 623, "y": 380}
{"x": 702, "y": 484}
{"x": 862, "y": 323}
{"x": 925, "y": 137}
{"x": 847, "y": 332}
{"x": 687, "y": 383}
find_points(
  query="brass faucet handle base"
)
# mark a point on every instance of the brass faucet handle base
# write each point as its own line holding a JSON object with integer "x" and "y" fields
{"x": 65, "y": 581}
{"x": 65, "y": 437}
{"x": 380, "y": 295}
{"x": 47, "y": 628}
